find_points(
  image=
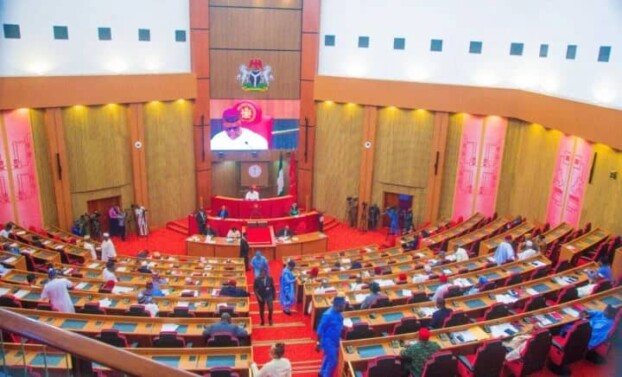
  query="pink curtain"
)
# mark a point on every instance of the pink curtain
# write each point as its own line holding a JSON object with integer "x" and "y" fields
{"x": 23, "y": 169}
{"x": 490, "y": 165}
{"x": 467, "y": 166}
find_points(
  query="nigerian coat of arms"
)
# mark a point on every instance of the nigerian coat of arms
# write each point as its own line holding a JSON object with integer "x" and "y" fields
{"x": 255, "y": 77}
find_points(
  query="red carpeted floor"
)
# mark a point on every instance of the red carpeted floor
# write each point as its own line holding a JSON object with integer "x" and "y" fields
{"x": 295, "y": 330}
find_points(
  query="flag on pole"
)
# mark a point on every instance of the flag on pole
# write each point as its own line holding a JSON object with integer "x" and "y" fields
{"x": 280, "y": 177}
{"x": 292, "y": 175}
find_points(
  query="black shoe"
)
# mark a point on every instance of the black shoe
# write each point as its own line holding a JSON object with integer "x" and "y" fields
{"x": 270, "y": 322}
{"x": 262, "y": 323}
{"x": 287, "y": 313}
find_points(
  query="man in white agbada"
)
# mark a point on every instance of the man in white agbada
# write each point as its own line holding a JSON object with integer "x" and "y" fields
{"x": 89, "y": 246}
{"x": 108, "y": 249}
{"x": 108, "y": 273}
{"x": 57, "y": 291}
{"x": 528, "y": 252}
{"x": 460, "y": 253}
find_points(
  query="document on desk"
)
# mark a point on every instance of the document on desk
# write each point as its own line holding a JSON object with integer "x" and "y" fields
{"x": 121, "y": 290}
{"x": 347, "y": 322}
{"x": 10, "y": 260}
{"x": 104, "y": 303}
{"x": 462, "y": 282}
{"x": 121, "y": 269}
{"x": 21, "y": 293}
{"x": 4, "y": 291}
{"x": 501, "y": 330}
{"x": 81, "y": 285}
{"x": 466, "y": 336}
{"x": 359, "y": 297}
{"x": 505, "y": 299}
{"x": 93, "y": 265}
{"x": 427, "y": 311}
{"x": 571, "y": 312}
{"x": 169, "y": 327}
{"x": 543, "y": 320}
{"x": 531, "y": 291}
{"x": 538, "y": 263}
{"x": 184, "y": 304}
{"x": 407, "y": 292}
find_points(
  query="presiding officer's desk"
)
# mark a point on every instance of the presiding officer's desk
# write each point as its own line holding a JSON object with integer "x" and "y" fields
{"x": 582, "y": 244}
{"x": 474, "y": 305}
{"x": 479, "y": 234}
{"x": 490, "y": 245}
{"x": 30, "y": 297}
{"x": 453, "y": 232}
{"x": 10, "y": 260}
{"x": 199, "y": 360}
{"x": 308, "y": 243}
{"x": 123, "y": 286}
{"x": 141, "y": 330}
{"x": 401, "y": 293}
{"x": 278, "y": 206}
{"x": 362, "y": 351}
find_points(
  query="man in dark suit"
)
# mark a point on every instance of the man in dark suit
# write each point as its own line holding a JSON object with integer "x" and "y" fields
{"x": 225, "y": 325}
{"x": 201, "y": 218}
{"x": 231, "y": 290}
{"x": 438, "y": 317}
{"x": 244, "y": 250}
{"x": 264, "y": 292}
{"x": 286, "y": 232}
{"x": 209, "y": 231}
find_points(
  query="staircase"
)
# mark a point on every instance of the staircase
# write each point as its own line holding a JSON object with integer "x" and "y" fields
{"x": 330, "y": 223}
{"x": 179, "y": 226}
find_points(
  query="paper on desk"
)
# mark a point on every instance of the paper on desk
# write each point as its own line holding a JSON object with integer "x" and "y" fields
{"x": 121, "y": 290}
{"x": 427, "y": 311}
{"x": 215, "y": 292}
{"x": 10, "y": 260}
{"x": 347, "y": 322}
{"x": 420, "y": 278}
{"x": 462, "y": 282}
{"x": 93, "y": 265}
{"x": 561, "y": 281}
{"x": 538, "y": 263}
{"x": 359, "y": 297}
{"x": 166, "y": 292}
{"x": 81, "y": 285}
{"x": 121, "y": 269}
{"x": 27, "y": 251}
{"x": 505, "y": 299}
{"x": 499, "y": 330}
{"x": 543, "y": 320}
{"x": 572, "y": 312}
{"x": 4, "y": 291}
{"x": 184, "y": 304}
{"x": 385, "y": 283}
{"x": 58, "y": 247}
{"x": 447, "y": 271}
{"x": 104, "y": 303}
{"x": 407, "y": 292}
{"x": 346, "y": 260}
{"x": 467, "y": 336}
{"x": 421, "y": 255}
{"x": 492, "y": 260}
{"x": 169, "y": 327}
{"x": 21, "y": 293}
{"x": 531, "y": 291}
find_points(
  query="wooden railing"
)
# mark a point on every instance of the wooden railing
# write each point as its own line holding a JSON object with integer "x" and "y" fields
{"x": 86, "y": 349}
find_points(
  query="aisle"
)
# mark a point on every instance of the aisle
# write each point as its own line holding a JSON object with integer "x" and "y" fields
{"x": 295, "y": 331}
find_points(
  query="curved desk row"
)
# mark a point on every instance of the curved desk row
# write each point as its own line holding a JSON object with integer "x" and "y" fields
{"x": 240, "y": 208}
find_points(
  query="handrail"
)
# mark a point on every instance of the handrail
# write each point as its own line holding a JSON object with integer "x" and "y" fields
{"x": 86, "y": 348}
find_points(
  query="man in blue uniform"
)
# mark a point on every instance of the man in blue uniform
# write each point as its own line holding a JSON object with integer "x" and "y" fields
{"x": 329, "y": 334}
{"x": 287, "y": 297}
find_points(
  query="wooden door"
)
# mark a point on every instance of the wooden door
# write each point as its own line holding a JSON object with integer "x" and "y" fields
{"x": 391, "y": 199}
{"x": 102, "y": 206}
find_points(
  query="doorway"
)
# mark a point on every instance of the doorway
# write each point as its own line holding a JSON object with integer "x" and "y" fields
{"x": 402, "y": 202}
{"x": 102, "y": 206}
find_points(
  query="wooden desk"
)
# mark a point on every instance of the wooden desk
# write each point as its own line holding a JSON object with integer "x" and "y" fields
{"x": 410, "y": 238}
{"x": 366, "y": 349}
{"x": 476, "y": 235}
{"x": 278, "y": 206}
{"x": 557, "y": 233}
{"x": 120, "y": 303}
{"x": 457, "y": 230}
{"x": 27, "y": 239}
{"x": 582, "y": 244}
{"x": 303, "y": 244}
{"x": 11, "y": 260}
{"x": 380, "y": 257}
{"x": 336, "y": 255}
{"x": 616, "y": 265}
{"x": 490, "y": 245}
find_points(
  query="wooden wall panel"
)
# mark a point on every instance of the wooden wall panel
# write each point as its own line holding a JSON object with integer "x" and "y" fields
{"x": 226, "y": 178}
{"x": 309, "y": 56}
{"x": 98, "y": 153}
{"x": 170, "y": 160}
{"x": 527, "y": 170}
{"x": 199, "y": 11}
{"x": 403, "y": 150}
{"x": 601, "y": 205}
{"x": 450, "y": 166}
{"x": 297, "y": 4}
{"x": 255, "y": 28}
{"x": 339, "y": 134}
{"x": 45, "y": 169}
{"x": 225, "y": 65}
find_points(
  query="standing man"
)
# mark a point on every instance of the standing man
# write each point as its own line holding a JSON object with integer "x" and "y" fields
{"x": 140, "y": 213}
{"x": 108, "y": 249}
{"x": 86, "y": 243}
{"x": 329, "y": 335}
{"x": 201, "y": 218}
{"x": 287, "y": 297}
{"x": 264, "y": 292}
{"x": 56, "y": 290}
{"x": 244, "y": 250}
{"x": 112, "y": 221}
{"x": 259, "y": 262}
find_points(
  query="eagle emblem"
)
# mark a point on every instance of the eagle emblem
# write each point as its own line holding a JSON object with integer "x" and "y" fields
{"x": 255, "y": 77}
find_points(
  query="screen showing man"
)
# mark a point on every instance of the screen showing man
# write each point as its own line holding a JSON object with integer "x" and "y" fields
{"x": 235, "y": 137}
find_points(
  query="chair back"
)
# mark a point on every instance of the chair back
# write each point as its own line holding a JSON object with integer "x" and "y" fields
{"x": 535, "y": 303}
{"x": 417, "y": 297}
{"x": 562, "y": 266}
{"x": 442, "y": 363}
{"x": 513, "y": 279}
{"x": 497, "y": 310}
{"x": 380, "y": 302}
{"x": 386, "y": 365}
{"x": 223, "y": 339}
{"x": 44, "y": 306}
{"x": 536, "y": 351}
{"x": 226, "y": 309}
{"x": 359, "y": 330}
{"x": 538, "y": 273}
{"x": 568, "y": 294}
{"x": 407, "y": 325}
{"x": 489, "y": 359}
{"x": 112, "y": 337}
{"x": 93, "y": 308}
{"x": 169, "y": 339}
{"x": 221, "y": 372}
{"x": 577, "y": 340}
{"x": 182, "y": 312}
{"x": 601, "y": 287}
{"x": 488, "y": 286}
{"x": 137, "y": 311}
{"x": 456, "y": 318}
{"x": 453, "y": 291}
{"x": 10, "y": 301}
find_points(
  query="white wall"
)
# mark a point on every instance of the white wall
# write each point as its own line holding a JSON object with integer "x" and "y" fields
{"x": 38, "y": 53}
{"x": 497, "y": 23}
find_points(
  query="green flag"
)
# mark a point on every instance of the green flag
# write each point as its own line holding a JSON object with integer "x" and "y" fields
{"x": 280, "y": 178}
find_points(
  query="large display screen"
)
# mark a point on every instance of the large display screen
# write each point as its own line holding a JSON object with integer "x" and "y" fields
{"x": 244, "y": 126}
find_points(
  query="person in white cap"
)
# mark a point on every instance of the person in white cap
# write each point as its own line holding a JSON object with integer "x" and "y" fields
{"x": 56, "y": 290}
{"x": 528, "y": 251}
{"x": 108, "y": 249}
{"x": 89, "y": 246}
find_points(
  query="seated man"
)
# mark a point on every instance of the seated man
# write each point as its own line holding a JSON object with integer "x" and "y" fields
{"x": 504, "y": 252}
{"x": 415, "y": 356}
{"x": 604, "y": 270}
{"x": 528, "y": 251}
{"x": 460, "y": 254}
{"x": 108, "y": 273}
{"x": 438, "y": 317}
{"x": 252, "y": 193}
{"x": 231, "y": 290}
{"x": 209, "y": 231}
{"x": 442, "y": 289}
{"x": 144, "y": 268}
{"x": 225, "y": 326}
{"x": 601, "y": 323}
{"x": 234, "y": 233}
{"x": 375, "y": 294}
{"x": 36, "y": 242}
{"x": 285, "y": 232}
{"x": 294, "y": 211}
{"x": 223, "y": 213}
{"x": 147, "y": 295}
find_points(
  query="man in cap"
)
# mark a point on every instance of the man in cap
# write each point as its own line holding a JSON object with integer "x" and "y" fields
{"x": 87, "y": 244}
{"x": 329, "y": 335}
{"x": 528, "y": 251}
{"x": 231, "y": 290}
{"x": 56, "y": 290}
{"x": 108, "y": 249}
{"x": 235, "y": 137}
{"x": 442, "y": 289}
{"x": 108, "y": 273}
{"x": 371, "y": 298}
{"x": 415, "y": 356}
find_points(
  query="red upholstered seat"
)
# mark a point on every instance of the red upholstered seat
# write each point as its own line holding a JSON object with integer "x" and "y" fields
{"x": 223, "y": 339}
{"x": 359, "y": 330}
{"x": 406, "y": 325}
{"x": 381, "y": 366}
{"x": 442, "y": 363}
{"x": 487, "y": 361}
{"x": 571, "y": 347}
{"x": 533, "y": 357}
